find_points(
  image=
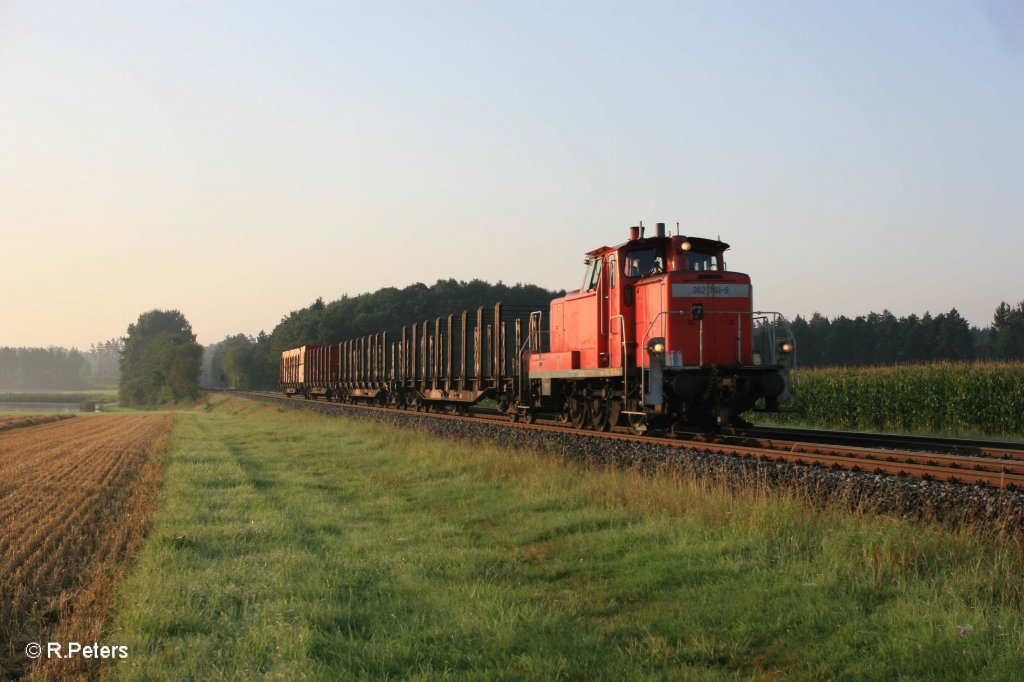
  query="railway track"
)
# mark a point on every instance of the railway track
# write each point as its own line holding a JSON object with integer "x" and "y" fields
{"x": 962, "y": 446}
{"x": 969, "y": 462}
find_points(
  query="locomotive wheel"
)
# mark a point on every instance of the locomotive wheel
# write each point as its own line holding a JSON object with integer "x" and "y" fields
{"x": 614, "y": 412}
{"x": 577, "y": 411}
{"x": 598, "y": 414}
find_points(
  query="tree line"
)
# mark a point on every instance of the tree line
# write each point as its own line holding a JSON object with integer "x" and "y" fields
{"x": 159, "y": 360}
{"x": 61, "y": 368}
{"x": 884, "y": 339}
{"x": 244, "y": 362}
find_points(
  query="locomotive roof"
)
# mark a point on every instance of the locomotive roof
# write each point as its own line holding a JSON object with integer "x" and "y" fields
{"x": 699, "y": 242}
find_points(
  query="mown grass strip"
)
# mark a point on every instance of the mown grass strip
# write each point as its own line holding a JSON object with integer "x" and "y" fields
{"x": 291, "y": 545}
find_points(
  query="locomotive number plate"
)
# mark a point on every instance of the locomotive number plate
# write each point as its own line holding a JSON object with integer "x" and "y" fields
{"x": 690, "y": 290}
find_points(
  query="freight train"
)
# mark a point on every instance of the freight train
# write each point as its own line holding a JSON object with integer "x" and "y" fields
{"x": 659, "y": 336}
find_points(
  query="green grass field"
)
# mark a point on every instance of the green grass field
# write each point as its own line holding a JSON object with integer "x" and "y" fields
{"x": 292, "y": 546}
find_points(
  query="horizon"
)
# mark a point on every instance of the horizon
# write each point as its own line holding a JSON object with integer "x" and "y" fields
{"x": 326, "y": 302}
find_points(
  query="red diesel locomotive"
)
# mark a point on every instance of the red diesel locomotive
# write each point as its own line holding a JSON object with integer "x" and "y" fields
{"x": 659, "y": 335}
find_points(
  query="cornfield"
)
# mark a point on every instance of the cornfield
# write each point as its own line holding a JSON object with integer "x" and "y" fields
{"x": 957, "y": 398}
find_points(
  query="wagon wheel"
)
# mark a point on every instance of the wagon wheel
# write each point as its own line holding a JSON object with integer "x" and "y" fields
{"x": 599, "y": 414}
{"x": 577, "y": 411}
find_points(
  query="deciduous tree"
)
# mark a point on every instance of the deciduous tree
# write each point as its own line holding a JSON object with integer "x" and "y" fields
{"x": 160, "y": 361}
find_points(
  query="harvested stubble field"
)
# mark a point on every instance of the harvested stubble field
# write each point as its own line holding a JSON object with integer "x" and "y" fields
{"x": 75, "y": 498}
{"x": 8, "y": 422}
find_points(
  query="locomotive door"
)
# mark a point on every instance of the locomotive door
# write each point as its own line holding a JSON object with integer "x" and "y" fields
{"x": 611, "y": 308}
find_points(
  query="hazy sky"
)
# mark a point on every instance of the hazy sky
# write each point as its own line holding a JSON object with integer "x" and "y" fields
{"x": 235, "y": 160}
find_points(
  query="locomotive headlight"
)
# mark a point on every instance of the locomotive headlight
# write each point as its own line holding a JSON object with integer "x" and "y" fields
{"x": 785, "y": 347}
{"x": 686, "y": 246}
{"x": 658, "y": 347}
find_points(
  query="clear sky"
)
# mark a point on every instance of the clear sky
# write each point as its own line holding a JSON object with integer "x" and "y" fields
{"x": 235, "y": 160}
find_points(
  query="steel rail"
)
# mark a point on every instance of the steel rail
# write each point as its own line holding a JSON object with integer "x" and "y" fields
{"x": 965, "y": 446}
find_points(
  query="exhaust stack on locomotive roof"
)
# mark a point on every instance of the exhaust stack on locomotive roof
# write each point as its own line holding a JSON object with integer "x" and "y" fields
{"x": 637, "y": 231}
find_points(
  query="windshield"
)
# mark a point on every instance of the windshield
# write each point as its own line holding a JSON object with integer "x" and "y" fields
{"x": 701, "y": 261}
{"x": 643, "y": 263}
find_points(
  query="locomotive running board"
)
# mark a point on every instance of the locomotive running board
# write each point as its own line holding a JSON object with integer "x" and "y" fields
{"x": 600, "y": 372}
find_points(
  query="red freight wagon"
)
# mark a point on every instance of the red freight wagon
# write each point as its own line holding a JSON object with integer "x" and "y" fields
{"x": 309, "y": 370}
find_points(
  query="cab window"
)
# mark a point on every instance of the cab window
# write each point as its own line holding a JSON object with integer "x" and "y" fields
{"x": 644, "y": 263}
{"x": 593, "y": 276}
{"x": 701, "y": 261}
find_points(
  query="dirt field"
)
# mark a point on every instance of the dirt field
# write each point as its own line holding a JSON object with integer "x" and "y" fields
{"x": 8, "y": 422}
{"x": 75, "y": 498}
